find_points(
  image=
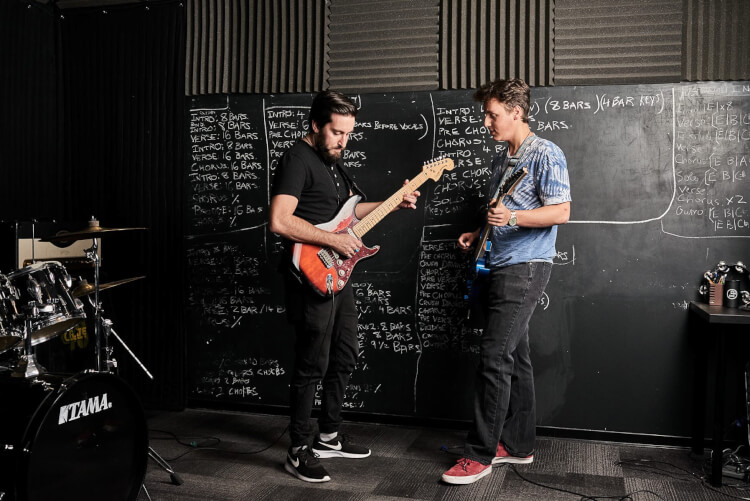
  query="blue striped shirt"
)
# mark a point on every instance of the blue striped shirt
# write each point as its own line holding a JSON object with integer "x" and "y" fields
{"x": 547, "y": 183}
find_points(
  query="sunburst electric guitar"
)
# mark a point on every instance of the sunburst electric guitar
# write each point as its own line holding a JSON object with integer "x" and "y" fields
{"x": 478, "y": 268}
{"x": 324, "y": 269}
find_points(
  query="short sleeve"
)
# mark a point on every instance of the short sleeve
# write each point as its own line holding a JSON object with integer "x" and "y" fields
{"x": 553, "y": 182}
{"x": 290, "y": 177}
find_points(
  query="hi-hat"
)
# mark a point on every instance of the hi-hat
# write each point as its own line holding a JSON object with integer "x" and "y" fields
{"x": 85, "y": 288}
{"x": 90, "y": 232}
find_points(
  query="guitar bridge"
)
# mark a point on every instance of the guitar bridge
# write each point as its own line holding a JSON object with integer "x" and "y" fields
{"x": 326, "y": 257}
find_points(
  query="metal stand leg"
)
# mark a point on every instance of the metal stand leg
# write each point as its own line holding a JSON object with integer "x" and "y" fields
{"x": 107, "y": 324}
{"x": 143, "y": 488}
{"x": 176, "y": 480}
{"x": 101, "y": 345}
{"x": 28, "y": 367}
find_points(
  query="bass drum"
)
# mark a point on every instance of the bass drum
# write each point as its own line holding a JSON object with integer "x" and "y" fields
{"x": 82, "y": 438}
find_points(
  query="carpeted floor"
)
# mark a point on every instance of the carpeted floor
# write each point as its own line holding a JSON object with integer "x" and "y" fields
{"x": 222, "y": 455}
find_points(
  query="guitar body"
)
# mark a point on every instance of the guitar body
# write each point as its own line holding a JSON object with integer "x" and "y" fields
{"x": 478, "y": 271}
{"x": 478, "y": 274}
{"x": 324, "y": 269}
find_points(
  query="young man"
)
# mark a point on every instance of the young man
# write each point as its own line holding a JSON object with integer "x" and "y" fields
{"x": 523, "y": 230}
{"x": 310, "y": 186}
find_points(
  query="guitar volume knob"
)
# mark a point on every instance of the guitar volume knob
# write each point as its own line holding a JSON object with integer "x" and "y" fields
{"x": 342, "y": 273}
{"x": 340, "y": 283}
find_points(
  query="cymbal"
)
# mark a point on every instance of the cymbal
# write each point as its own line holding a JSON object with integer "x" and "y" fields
{"x": 90, "y": 232}
{"x": 85, "y": 288}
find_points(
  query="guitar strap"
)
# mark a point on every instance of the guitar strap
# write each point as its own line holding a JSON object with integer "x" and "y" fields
{"x": 512, "y": 165}
{"x": 350, "y": 182}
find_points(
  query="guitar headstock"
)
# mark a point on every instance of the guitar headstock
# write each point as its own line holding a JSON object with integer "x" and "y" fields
{"x": 434, "y": 168}
{"x": 510, "y": 184}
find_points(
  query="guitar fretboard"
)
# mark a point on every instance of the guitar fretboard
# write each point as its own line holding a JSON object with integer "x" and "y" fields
{"x": 385, "y": 208}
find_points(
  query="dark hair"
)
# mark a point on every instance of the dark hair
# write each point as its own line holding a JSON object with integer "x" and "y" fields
{"x": 511, "y": 93}
{"x": 328, "y": 102}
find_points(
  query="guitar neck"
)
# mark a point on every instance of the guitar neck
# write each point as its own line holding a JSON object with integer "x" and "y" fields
{"x": 385, "y": 208}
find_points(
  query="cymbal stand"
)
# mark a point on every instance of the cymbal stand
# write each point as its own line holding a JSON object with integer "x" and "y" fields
{"x": 33, "y": 227}
{"x": 28, "y": 367}
{"x": 102, "y": 346}
{"x": 93, "y": 254}
{"x": 107, "y": 329}
{"x": 17, "y": 231}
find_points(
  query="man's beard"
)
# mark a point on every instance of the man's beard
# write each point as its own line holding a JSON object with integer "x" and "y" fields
{"x": 329, "y": 156}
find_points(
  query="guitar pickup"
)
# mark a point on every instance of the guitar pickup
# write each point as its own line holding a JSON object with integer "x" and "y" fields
{"x": 326, "y": 257}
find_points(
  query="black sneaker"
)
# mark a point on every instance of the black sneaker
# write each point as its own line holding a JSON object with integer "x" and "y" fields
{"x": 305, "y": 466}
{"x": 339, "y": 447}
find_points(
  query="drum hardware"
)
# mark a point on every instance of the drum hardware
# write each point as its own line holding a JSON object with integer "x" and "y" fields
{"x": 107, "y": 324}
{"x": 102, "y": 326}
{"x": 45, "y": 287}
{"x": 27, "y": 365}
{"x": 173, "y": 476}
{"x": 9, "y": 334}
{"x": 17, "y": 230}
{"x": 92, "y": 231}
{"x": 33, "y": 230}
{"x": 70, "y": 263}
{"x": 33, "y": 222}
{"x": 84, "y": 288}
{"x": 109, "y": 361}
{"x": 100, "y": 347}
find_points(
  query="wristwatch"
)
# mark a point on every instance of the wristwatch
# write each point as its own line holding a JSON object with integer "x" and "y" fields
{"x": 512, "y": 221}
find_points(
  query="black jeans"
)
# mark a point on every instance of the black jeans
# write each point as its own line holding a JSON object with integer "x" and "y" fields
{"x": 504, "y": 399}
{"x": 326, "y": 349}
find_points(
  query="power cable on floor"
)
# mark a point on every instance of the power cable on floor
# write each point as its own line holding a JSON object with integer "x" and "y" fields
{"x": 585, "y": 497}
{"x": 196, "y": 446}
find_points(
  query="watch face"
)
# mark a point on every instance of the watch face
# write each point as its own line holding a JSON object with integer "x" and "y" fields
{"x": 512, "y": 220}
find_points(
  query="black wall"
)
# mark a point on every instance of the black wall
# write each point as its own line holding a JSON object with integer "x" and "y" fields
{"x": 658, "y": 174}
{"x": 93, "y": 125}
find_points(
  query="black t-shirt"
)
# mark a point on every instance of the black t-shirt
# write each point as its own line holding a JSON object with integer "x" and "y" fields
{"x": 320, "y": 189}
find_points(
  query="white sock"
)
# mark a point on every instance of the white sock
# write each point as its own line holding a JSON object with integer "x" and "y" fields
{"x": 327, "y": 437}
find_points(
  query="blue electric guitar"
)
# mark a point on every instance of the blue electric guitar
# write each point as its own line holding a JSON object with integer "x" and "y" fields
{"x": 477, "y": 269}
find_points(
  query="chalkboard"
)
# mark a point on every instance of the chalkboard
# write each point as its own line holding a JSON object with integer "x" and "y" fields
{"x": 660, "y": 194}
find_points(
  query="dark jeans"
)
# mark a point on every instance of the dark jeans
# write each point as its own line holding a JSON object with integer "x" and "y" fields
{"x": 504, "y": 400}
{"x": 326, "y": 349}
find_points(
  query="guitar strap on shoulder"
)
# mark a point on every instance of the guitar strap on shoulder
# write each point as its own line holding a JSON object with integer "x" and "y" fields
{"x": 350, "y": 182}
{"x": 512, "y": 165}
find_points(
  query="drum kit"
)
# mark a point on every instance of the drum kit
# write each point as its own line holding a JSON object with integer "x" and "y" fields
{"x": 76, "y": 436}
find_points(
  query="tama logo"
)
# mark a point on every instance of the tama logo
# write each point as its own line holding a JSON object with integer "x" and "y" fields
{"x": 93, "y": 405}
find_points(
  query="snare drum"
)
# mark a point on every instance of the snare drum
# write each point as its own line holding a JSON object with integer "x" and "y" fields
{"x": 82, "y": 438}
{"x": 10, "y": 335}
{"x": 47, "y": 286}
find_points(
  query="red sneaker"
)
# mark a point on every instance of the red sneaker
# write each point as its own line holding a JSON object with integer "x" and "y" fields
{"x": 466, "y": 471}
{"x": 503, "y": 456}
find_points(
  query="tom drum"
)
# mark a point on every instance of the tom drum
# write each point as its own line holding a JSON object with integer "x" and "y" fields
{"x": 46, "y": 286}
